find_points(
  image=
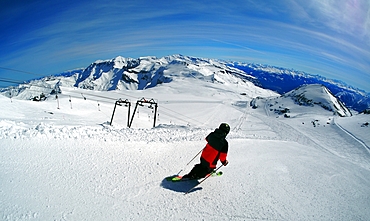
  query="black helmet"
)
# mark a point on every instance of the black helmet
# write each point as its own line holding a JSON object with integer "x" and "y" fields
{"x": 225, "y": 127}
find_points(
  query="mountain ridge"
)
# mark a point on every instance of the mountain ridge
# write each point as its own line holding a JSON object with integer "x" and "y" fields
{"x": 317, "y": 94}
{"x": 122, "y": 73}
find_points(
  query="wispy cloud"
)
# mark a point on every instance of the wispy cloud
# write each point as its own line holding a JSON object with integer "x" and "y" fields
{"x": 342, "y": 16}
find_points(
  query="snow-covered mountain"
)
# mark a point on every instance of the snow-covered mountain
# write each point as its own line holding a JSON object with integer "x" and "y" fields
{"x": 132, "y": 74}
{"x": 302, "y": 101}
{"x": 121, "y": 73}
{"x": 315, "y": 94}
{"x": 147, "y": 72}
{"x": 284, "y": 80}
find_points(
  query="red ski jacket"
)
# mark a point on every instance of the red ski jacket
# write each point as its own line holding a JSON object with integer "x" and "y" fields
{"x": 216, "y": 149}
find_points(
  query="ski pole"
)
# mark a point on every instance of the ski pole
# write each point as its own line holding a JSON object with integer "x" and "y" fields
{"x": 195, "y": 156}
{"x": 203, "y": 179}
{"x": 190, "y": 161}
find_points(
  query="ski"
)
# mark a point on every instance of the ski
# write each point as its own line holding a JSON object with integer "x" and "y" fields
{"x": 180, "y": 179}
{"x": 208, "y": 176}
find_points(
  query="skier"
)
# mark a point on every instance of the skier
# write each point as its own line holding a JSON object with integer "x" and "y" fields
{"x": 216, "y": 149}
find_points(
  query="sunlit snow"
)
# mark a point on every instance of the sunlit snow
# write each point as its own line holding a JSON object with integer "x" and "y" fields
{"x": 60, "y": 159}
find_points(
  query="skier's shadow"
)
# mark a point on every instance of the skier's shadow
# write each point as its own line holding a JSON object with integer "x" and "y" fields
{"x": 181, "y": 187}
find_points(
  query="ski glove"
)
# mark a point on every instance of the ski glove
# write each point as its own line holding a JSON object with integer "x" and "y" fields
{"x": 225, "y": 162}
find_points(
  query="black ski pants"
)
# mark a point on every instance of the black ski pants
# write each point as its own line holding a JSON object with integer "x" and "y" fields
{"x": 198, "y": 171}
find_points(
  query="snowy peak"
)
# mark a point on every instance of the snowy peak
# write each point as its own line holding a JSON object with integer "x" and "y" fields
{"x": 147, "y": 72}
{"x": 136, "y": 74}
{"x": 316, "y": 94}
{"x": 104, "y": 75}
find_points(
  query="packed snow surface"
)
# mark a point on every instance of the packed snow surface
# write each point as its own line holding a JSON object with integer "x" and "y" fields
{"x": 62, "y": 159}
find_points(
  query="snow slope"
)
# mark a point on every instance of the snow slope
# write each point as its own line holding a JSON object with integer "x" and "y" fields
{"x": 62, "y": 160}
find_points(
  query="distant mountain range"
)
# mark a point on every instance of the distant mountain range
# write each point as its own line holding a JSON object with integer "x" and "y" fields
{"x": 146, "y": 72}
{"x": 283, "y": 80}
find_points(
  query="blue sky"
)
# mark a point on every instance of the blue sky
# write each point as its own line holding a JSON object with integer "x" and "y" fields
{"x": 324, "y": 37}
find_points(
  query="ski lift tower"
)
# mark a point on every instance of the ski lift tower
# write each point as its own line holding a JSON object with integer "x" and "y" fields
{"x": 143, "y": 101}
{"x": 119, "y": 103}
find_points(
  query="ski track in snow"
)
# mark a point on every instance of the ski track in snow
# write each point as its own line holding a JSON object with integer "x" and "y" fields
{"x": 353, "y": 136}
{"x": 339, "y": 143}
